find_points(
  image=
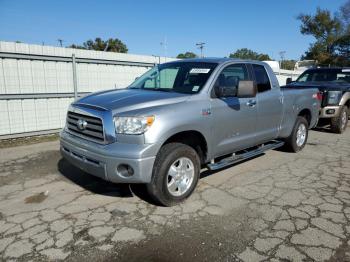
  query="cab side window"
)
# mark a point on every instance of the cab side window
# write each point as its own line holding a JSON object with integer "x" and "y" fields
{"x": 232, "y": 74}
{"x": 262, "y": 79}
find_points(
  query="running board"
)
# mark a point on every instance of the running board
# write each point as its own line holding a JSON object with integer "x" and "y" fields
{"x": 245, "y": 154}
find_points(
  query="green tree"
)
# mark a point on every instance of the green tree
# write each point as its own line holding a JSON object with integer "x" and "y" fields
{"x": 245, "y": 53}
{"x": 344, "y": 15}
{"x": 186, "y": 55}
{"x": 110, "y": 45}
{"x": 332, "y": 45}
{"x": 343, "y": 43}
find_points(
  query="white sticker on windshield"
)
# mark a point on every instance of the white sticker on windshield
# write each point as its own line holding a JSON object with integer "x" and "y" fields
{"x": 195, "y": 88}
{"x": 199, "y": 70}
{"x": 346, "y": 70}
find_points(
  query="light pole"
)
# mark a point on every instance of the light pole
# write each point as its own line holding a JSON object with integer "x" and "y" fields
{"x": 201, "y": 46}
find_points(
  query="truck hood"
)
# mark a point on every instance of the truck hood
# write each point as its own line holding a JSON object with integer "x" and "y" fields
{"x": 123, "y": 100}
{"x": 322, "y": 86}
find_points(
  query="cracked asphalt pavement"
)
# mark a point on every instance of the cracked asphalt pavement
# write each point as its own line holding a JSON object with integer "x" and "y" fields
{"x": 276, "y": 207}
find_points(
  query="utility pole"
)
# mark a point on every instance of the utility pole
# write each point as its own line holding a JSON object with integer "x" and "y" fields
{"x": 201, "y": 46}
{"x": 60, "y": 41}
{"x": 282, "y": 55}
{"x": 164, "y": 44}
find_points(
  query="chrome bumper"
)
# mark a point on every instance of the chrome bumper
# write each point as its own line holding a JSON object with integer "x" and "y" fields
{"x": 329, "y": 111}
{"x": 103, "y": 160}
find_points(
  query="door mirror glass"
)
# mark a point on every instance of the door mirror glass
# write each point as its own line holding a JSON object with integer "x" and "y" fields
{"x": 227, "y": 88}
{"x": 289, "y": 80}
{"x": 227, "y": 82}
{"x": 246, "y": 89}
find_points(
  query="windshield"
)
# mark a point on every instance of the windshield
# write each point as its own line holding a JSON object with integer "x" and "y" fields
{"x": 338, "y": 76}
{"x": 180, "y": 77}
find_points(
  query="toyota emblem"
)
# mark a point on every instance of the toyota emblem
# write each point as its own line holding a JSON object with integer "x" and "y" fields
{"x": 81, "y": 124}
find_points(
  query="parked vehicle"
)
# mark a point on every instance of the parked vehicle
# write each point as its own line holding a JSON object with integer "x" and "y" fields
{"x": 184, "y": 115}
{"x": 334, "y": 83}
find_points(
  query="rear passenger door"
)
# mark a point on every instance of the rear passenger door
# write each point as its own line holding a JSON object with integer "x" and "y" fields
{"x": 269, "y": 105}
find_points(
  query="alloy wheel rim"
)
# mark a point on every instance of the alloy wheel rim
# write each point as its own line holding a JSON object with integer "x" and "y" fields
{"x": 301, "y": 135}
{"x": 180, "y": 176}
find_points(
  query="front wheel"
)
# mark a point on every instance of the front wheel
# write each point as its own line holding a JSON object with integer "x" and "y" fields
{"x": 298, "y": 138}
{"x": 175, "y": 174}
{"x": 339, "y": 123}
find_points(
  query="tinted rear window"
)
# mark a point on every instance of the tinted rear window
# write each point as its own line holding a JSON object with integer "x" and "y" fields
{"x": 338, "y": 76}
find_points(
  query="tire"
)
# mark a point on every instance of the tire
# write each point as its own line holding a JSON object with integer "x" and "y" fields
{"x": 298, "y": 138}
{"x": 167, "y": 178}
{"x": 339, "y": 123}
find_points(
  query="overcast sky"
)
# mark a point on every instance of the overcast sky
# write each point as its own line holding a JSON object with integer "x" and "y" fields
{"x": 267, "y": 26}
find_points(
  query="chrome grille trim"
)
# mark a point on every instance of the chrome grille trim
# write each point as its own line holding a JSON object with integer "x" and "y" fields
{"x": 94, "y": 129}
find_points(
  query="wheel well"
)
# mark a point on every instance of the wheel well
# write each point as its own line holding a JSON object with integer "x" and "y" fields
{"x": 348, "y": 104}
{"x": 193, "y": 139}
{"x": 306, "y": 114}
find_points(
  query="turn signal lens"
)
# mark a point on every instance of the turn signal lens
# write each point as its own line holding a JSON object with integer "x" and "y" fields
{"x": 149, "y": 120}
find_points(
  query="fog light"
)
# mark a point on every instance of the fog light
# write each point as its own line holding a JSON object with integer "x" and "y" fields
{"x": 330, "y": 111}
{"x": 125, "y": 170}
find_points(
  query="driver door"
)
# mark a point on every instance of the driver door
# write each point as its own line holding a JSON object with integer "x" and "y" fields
{"x": 234, "y": 119}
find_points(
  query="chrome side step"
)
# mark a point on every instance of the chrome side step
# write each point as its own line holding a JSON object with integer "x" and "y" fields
{"x": 245, "y": 154}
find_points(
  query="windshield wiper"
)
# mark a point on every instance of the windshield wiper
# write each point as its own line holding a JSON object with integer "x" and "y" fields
{"x": 169, "y": 90}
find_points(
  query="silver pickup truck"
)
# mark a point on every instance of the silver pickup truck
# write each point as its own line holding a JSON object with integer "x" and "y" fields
{"x": 182, "y": 116}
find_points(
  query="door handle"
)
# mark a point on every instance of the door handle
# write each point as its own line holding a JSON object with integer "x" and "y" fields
{"x": 251, "y": 103}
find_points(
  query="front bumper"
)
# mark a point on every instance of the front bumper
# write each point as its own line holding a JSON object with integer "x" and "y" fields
{"x": 102, "y": 160}
{"x": 329, "y": 111}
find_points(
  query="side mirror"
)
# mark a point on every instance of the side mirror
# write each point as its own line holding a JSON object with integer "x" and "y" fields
{"x": 289, "y": 80}
{"x": 227, "y": 88}
{"x": 246, "y": 89}
{"x": 225, "y": 91}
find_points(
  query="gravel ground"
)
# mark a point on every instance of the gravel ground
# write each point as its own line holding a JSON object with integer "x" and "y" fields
{"x": 279, "y": 206}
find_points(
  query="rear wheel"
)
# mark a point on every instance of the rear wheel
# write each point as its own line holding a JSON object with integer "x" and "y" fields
{"x": 339, "y": 123}
{"x": 298, "y": 138}
{"x": 175, "y": 174}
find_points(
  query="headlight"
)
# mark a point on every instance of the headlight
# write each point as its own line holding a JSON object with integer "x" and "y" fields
{"x": 132, "y": 125}
{"x": 334, "y": 97}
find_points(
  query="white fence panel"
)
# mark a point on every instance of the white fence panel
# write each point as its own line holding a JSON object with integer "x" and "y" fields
{"x": 4, "y": 116}
{"x": 43, "y": 76}
{"x": 29, "y": 115}
{"x": 38, "y": 74}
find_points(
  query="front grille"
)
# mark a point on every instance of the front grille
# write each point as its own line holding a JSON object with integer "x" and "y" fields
{"x": 93, "y": 129}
